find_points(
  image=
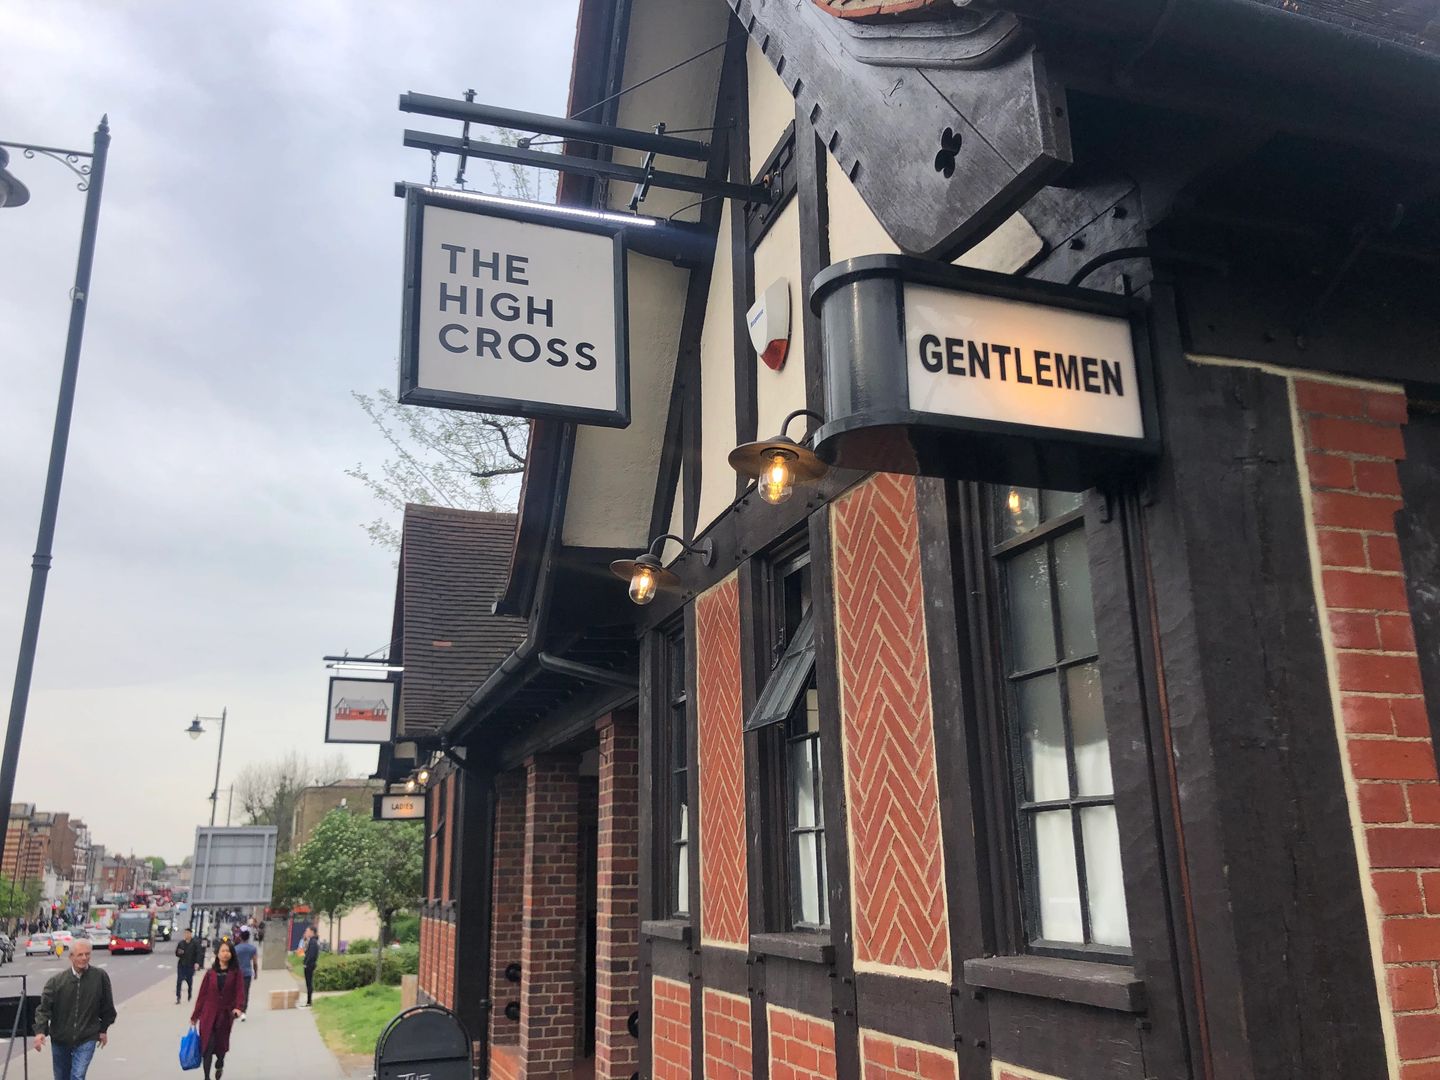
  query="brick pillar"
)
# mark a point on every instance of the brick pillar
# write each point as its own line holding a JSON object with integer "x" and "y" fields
{"x": 547, "y": 982}
{"x": 617, "y": 933}
{"x": 507, "y": 904}
{"x": 1352, "y": 439}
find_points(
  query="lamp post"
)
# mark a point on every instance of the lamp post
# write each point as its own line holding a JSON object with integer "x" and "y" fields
{"x": 14, "y": 193}
{"x": 195, "y": 730}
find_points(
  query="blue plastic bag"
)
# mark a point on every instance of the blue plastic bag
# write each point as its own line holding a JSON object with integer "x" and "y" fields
{"x": 190, "y": 1050}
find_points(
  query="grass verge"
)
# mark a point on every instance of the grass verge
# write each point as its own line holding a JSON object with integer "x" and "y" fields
{"x": 350, "y": 1023}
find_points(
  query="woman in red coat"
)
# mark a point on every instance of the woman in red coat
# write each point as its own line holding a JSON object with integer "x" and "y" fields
{"x": 216, "y": 1007}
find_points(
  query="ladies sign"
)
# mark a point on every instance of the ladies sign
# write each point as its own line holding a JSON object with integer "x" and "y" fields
{"x": 514, "y": 309}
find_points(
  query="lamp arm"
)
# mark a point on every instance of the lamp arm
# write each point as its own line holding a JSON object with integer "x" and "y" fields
{"x": 705, "y": 548}
{"x": 785, "y": 424}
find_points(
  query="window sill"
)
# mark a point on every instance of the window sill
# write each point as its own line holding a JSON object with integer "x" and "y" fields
{"x": 669, "y": 929}
{"x": 1106, "y": 986}
{"x": 802, "y": 945}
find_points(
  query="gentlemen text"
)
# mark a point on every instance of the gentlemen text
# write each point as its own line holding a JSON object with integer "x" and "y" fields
{"x": 1010, "y": 363}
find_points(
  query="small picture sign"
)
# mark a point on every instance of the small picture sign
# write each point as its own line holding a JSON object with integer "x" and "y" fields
{"x": 513, "y": 308}
{"x": 400, "y": 807}
{"x": 360, "y": 711}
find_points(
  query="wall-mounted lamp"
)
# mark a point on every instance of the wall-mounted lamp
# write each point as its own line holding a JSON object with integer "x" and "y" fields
{"x": 647, "y": 575}
{"x": 423, "y": 776}
{"x": 778, "y": 464}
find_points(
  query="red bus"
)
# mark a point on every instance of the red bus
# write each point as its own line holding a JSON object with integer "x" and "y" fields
{"x": 133, "y": 931}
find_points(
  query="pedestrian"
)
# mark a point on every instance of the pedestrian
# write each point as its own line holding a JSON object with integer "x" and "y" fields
{"x": 216, "y": 1007}
{"x": 310, "y": 949}
{"x": 76, "y": 1010}
{"x": 247, "y": 957}
{"x": 188, "y": 956}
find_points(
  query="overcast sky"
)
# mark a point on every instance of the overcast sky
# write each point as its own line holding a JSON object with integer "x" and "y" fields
{"x": 247, "y": 278}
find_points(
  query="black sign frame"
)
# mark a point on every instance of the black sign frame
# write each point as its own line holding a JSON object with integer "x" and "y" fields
{"x": 869, "y": 422}
{"x": 393, "y": 679}
{"x": 417, "y": 198}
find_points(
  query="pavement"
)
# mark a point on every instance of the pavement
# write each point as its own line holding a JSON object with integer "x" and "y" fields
{"x": 145, "y": 1041}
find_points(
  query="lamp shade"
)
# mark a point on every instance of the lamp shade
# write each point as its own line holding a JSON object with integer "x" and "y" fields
{"x": 12, "y": 191}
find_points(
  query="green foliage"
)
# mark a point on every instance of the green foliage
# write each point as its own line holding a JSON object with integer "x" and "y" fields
{"x": 405, "y": 928}
{"x": 391, "y": 872}
{"x": 360, "y": 947}
{"x": 323, "y": 871}
{"x": 268, "y": 791}
{"x": 349, "y": 971}
{"x": 18, "y": 900}
{"x": 351, "y": 1023}
{"x": 157, "y": 864}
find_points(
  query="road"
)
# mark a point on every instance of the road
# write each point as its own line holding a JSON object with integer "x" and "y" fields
{"x": 129, "y": 972}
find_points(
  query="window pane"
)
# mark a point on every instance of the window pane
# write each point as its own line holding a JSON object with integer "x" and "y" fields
{"x": 807, "y": 881}
{"x": 1016, "y": 510}
{"x": 802, "y": 784}
{"x": 1087, "y": 730}
{"x": 1056, "y": 503}
{"x": 1032, "y": 631}
{"x": 812, "y": 711}
{"x": 1104, "y": 884}
{"x": 679, "y": 738}
{"x": 682, "y": 879}
{"x": 1042, "y": 731}
{"x": 1058, "y": 886}
{"x": 1077, "y": 609}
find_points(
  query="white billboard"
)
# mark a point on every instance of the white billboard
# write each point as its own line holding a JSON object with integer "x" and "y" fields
{"x": 234, "y": 866}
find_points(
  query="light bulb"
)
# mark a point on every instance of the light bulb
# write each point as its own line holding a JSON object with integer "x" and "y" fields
{"x": 776, "y": 483}
{"x": 1014, "y": 501}
{"x": 642, "y": 585}
{"x": 410, "y": 786}
{"x": 423, "y": 776}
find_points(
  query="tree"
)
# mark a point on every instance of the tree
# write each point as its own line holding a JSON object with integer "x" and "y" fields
{"x": 440, "y": 457}
{"x": 324, "y": 870}
{"x": 268, "y": 791}
{"x": 391, "y": 872}
{"x": 156, "y": 863}
{"x": 18, "y": 900}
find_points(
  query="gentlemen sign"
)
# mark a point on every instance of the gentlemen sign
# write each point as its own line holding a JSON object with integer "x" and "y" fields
{"x": 399, "y": 807}
{"x": 514, "y": 309}
{"x": 943, "y": 371}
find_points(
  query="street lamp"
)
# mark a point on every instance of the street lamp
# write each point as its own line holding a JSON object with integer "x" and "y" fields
{"x": 14, "y": 193}
{"x": 195, "y": 730}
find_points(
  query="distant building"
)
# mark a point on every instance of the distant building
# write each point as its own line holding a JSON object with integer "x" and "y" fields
{"x": 314, "y": 803}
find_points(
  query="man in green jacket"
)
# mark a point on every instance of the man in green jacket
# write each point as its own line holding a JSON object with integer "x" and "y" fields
{"x": 76, "y": 1011}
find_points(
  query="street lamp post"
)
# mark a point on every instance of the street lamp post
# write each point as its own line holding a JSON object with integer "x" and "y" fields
{"x": 195, "y": 731}
{"x": 92, "y": 178}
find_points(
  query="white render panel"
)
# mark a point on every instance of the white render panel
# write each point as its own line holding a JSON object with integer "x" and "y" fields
{"x": 771, "y": 106}
{"x": 783, "y": 391}
{"x": 717, "y": 386}
{"x": 612, "y": 477}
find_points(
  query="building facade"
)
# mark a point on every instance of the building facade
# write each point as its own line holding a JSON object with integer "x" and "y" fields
{"x": 946, "y": 769}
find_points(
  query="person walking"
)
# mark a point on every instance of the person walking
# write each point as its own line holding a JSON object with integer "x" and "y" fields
{"x": 188, "y": 957}
{"x": 247, "y": 958}
{"x": 76, "y": 1010}
{"x": 216, "y": 1007}
{"x": 310, "y": 949}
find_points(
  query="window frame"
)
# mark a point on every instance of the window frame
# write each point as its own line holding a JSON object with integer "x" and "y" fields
{"x": 674, "y": 704}
{"x": 1006, "y": 757}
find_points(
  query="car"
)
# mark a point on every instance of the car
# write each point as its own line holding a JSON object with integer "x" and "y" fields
{"x": 98, "y": 937}
{"x": 39, "y": 945}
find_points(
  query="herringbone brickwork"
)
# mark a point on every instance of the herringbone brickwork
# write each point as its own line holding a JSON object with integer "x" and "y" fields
{"x": 893, "y": 803}
{"x": 727, "y": 1037}
{"x": 883, "y": 1057}
{"x": 724, "y": 909}
{"x": 1352, "y": 437}
{"x": 801, "y": 1047}
{"x": 669, "y": 1029}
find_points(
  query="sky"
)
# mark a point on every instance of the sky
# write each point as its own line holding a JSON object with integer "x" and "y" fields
{"x": 247, "y": 278}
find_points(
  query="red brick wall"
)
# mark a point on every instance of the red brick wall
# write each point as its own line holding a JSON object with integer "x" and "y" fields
{"x": 885, "y": 1058}
{"x": 547, "y": 982}
{"x": 508, "y": 899}
{"x": 1352, "y": 437}
{"x": 504, "y": 1063}
{"x": 801, "y": 1047}
{"x": 437, "y": 960}
{"x": 724, "y": 909}
{"x": 617, "y": 931}
{"x": 897, "y": 870}
{"x": 669, "y": 1029}
{"x": 727, "y": 1037}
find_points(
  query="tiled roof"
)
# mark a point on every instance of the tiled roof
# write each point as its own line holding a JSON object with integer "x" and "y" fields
{"x": 453, "y": 564}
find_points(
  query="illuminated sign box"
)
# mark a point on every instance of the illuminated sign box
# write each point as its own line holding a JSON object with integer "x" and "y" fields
{"x": 400, "y": 807}
{"x": 360, "y": 711}
{"x": 515, "y": 309}
{"x": 945, "y": 371}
